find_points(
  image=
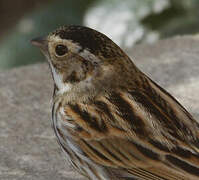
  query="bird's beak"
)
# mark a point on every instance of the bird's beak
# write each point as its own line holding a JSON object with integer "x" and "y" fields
{"x": 41, "y": 42}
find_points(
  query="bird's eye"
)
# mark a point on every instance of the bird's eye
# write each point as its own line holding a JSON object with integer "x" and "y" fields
{"x": 61, "y": 50}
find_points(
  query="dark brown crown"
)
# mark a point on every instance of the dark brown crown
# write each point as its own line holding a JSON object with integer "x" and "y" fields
{"x": 90, "y": 39}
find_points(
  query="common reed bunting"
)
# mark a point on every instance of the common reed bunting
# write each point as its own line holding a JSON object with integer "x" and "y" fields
{"x": 110, "y": 119}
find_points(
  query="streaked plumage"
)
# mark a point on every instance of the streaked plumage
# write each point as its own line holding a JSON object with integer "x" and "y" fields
{"x": 111, "y": 120}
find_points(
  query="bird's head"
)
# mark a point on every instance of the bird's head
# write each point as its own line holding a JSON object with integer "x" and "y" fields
{"x": 82, "y": 58}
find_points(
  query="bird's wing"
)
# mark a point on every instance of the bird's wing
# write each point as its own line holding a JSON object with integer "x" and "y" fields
{"x": 145, "y": 131}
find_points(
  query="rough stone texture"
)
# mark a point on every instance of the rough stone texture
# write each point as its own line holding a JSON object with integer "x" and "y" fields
{"x": 28, "y": 148}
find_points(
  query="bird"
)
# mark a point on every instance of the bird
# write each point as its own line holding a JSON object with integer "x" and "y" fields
{"x": 111, "y": 120}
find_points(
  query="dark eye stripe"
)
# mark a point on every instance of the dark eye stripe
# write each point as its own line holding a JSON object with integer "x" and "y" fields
{"x": 61, "y": 50}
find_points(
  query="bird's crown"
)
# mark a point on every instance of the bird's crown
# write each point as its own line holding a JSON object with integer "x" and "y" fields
{"x": 89, "y": 39}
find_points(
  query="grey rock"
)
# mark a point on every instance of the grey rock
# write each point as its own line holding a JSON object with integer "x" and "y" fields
{"x": 28, "y": 148}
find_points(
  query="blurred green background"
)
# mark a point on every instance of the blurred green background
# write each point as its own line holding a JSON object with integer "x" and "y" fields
{"x": 127, "y": 22}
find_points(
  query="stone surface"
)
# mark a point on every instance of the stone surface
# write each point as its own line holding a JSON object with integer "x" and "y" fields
{"x": 28, "y": 148}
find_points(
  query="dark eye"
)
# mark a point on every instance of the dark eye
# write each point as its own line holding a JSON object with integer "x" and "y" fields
{"x": 61, "y": 50}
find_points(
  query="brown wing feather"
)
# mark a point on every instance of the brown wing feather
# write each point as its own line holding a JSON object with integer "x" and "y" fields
{"x": 153, "y": 138}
